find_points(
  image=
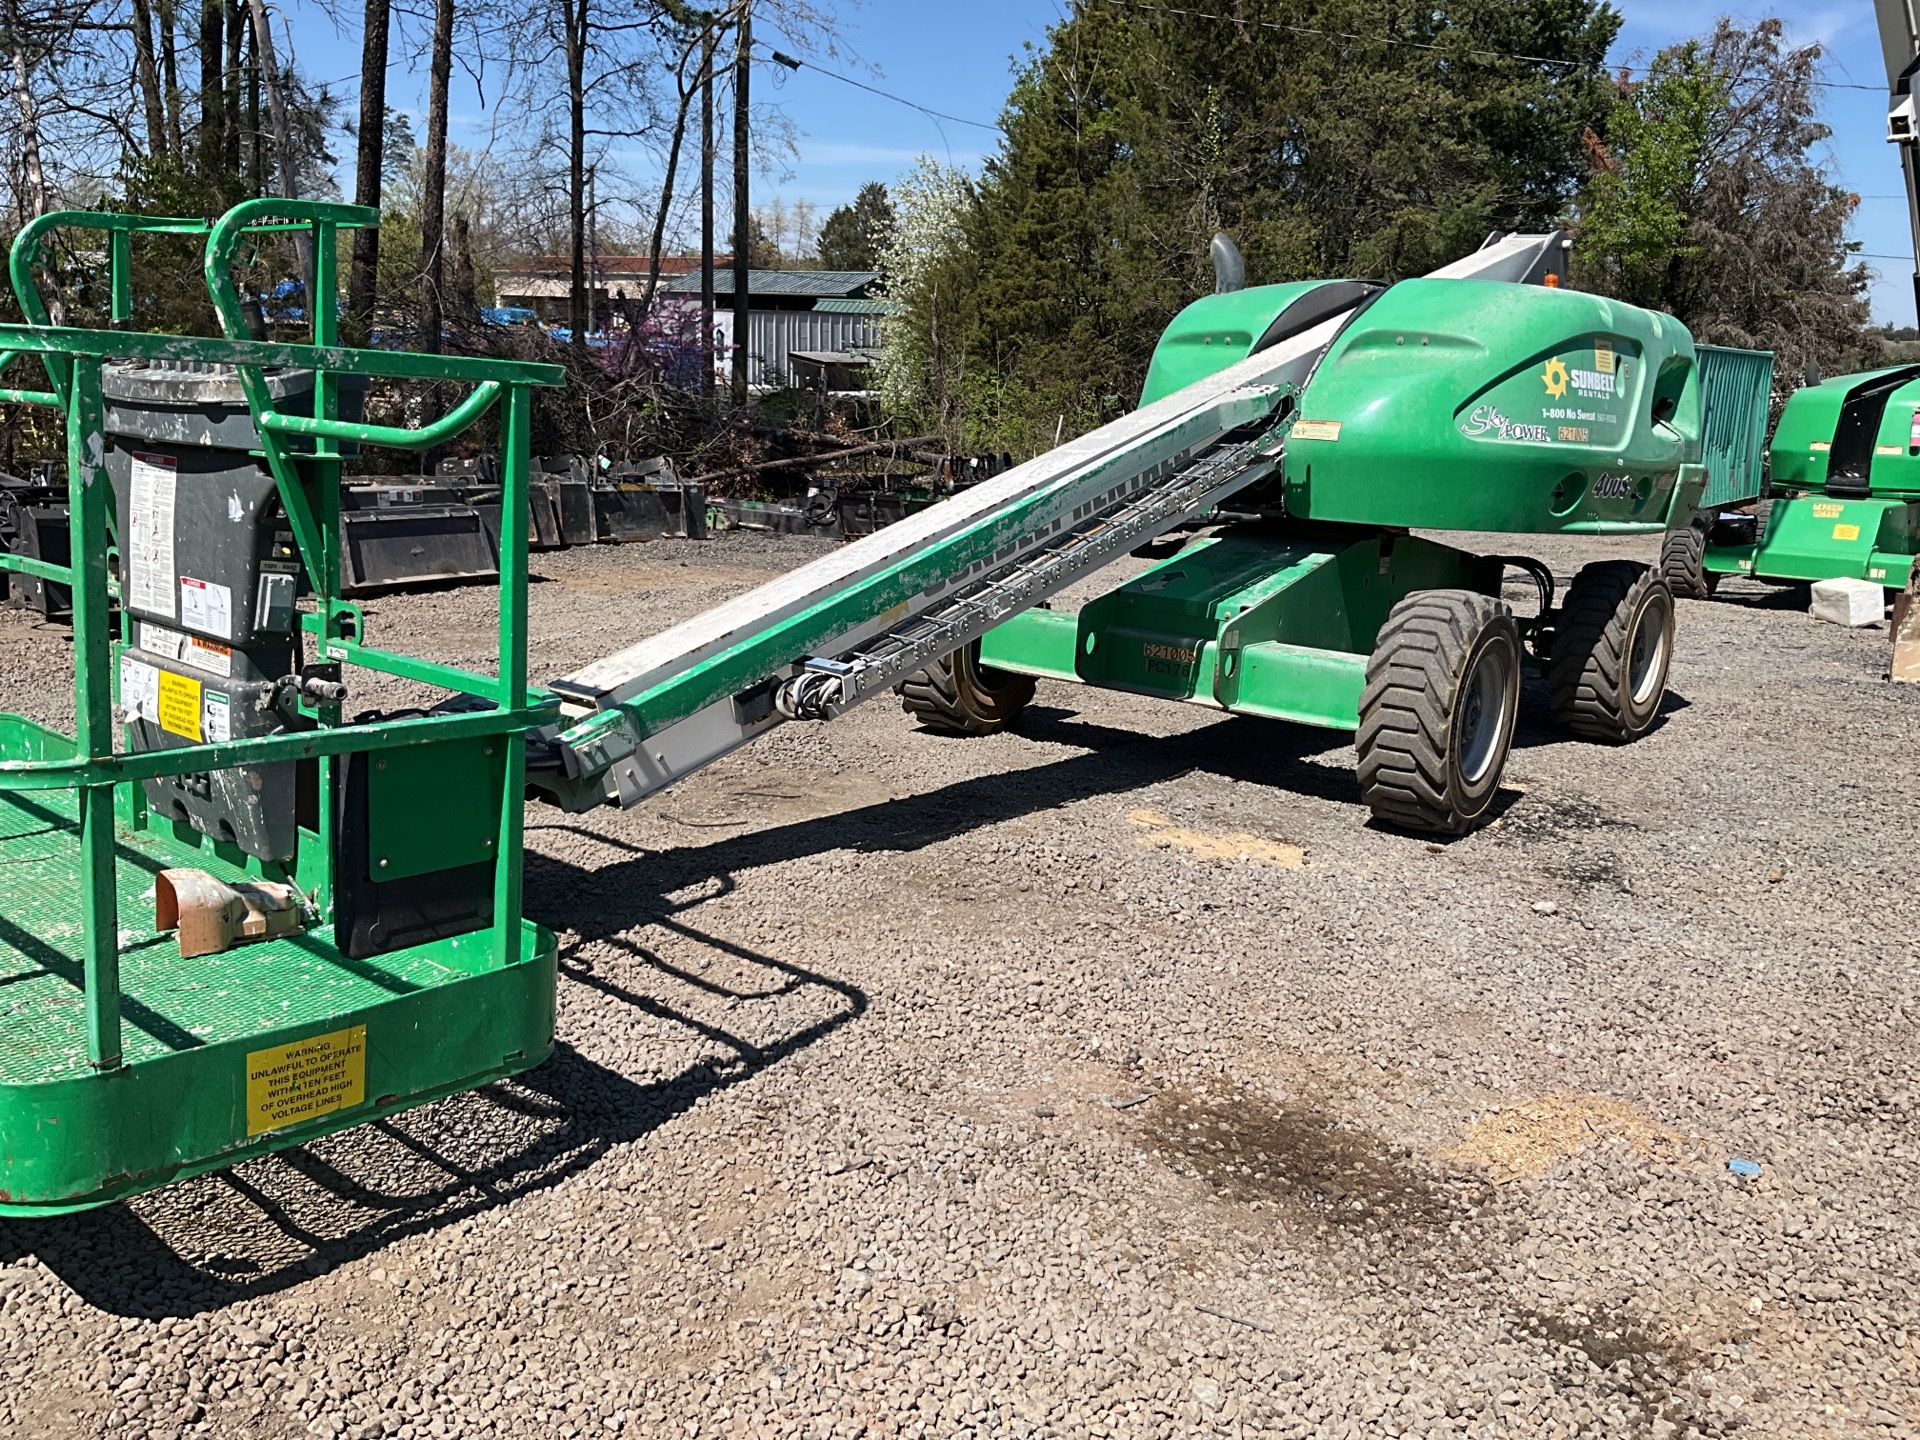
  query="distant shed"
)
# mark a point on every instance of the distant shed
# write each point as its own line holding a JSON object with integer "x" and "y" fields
{"x": 792, "y": 312}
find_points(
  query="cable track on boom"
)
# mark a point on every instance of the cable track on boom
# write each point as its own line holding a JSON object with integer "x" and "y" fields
{"x": 828, "y": 686}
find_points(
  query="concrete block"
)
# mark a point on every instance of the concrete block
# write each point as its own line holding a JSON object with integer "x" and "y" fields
{"x": 1849, "y": 602}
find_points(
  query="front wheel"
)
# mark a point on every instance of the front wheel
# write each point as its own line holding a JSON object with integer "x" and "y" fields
{"x": 1437, "y": 713}
{"x": 961, "y": 696}
{"x": 1611, "y": 652}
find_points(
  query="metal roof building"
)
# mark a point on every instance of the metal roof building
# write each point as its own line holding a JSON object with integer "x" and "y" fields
{"x": 791, "y": 310}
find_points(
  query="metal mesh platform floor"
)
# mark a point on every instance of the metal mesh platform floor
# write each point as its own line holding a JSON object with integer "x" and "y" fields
{"x": 167, "y": 1004}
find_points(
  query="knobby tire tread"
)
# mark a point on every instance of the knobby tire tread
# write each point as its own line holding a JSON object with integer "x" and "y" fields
{"x": 1406, "y": 723}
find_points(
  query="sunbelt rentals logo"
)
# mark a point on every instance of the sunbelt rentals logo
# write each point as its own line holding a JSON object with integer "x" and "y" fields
{"x": 1600, "y": 383}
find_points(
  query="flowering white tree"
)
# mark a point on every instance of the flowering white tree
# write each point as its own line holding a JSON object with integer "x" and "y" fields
{"x": 919, "y": 368}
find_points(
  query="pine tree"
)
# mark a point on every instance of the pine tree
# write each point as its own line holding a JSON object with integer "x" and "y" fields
{"x": 1138, "y": 132}
{"x": 854, "y": 236}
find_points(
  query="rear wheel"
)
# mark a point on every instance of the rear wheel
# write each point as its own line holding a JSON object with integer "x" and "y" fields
{"x": 1611, "y": 651}
{"x": 1683, "y": 565}
{"x": 1437, "y": 713}
{"x": 960, "y": 696}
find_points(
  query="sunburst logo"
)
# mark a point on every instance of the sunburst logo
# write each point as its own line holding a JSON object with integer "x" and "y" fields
{"x": 1555, "y": 376}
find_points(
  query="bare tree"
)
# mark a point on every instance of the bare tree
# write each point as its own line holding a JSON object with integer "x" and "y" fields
{"x": 363, "y": 279}
{"x": 147, "y": 76}
{"x": 34, "y": 175}
{"x": 687, "y": 79}
{"x": 434, "y": 189}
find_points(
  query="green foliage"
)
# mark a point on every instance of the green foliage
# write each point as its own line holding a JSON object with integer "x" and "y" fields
{"x": 1633, "y": 215}
{"x": 1708, "y": 199}
{"x": 854, "y": 236}
{"x": 1137, "y": 133}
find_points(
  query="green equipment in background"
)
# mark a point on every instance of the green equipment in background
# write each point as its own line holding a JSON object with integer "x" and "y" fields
{"x": 232, "y": 933}
{"x": 1845, "y": 488}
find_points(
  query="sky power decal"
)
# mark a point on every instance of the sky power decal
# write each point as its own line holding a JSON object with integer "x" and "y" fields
{"x": 1486, "y": 422}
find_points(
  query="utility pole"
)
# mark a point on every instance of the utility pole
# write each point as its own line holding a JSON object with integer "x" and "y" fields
{"x": 706, "y": 208}
{"x": 742, "y": 163}
{"x": 593, "y": 241}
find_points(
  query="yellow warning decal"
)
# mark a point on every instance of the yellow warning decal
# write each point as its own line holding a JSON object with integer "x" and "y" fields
{"x": 1888, "y": 449}
{"x": 1822, "y": 510}
{"x": 180, "y": 705}
{"x": 1846, "y": 532}
{"x": 1316, "y": 430}
{"x": 315, "y": 1076}
{"x": 1820, "y": 445}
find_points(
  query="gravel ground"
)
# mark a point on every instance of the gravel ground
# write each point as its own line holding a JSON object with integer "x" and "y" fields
{"x": 1112, "y": 1078}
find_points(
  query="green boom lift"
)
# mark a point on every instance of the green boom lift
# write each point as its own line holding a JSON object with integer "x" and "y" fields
{"x": 1844, "y": 475}
{"x": 225, "y": 928}
{"x": 1442, "y": 404}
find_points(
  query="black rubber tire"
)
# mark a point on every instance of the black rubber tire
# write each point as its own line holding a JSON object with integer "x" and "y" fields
{"x": 1609, "y": 670}
{"x": 1682, "y": 554}
{"x": 960, "y": 696}
{"x": 1431, "y": 755}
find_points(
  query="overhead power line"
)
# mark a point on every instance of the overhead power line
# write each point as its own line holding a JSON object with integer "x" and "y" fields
{"x": 788, "y": 62}
{"x": 1478, "y": 52}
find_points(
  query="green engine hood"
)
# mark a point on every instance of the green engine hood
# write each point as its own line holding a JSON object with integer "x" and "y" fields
{"x": 1854, "y": 434}
{"x": 1476, "y": 405}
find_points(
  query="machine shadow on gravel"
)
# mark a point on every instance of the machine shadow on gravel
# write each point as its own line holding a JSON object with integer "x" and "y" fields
{"x": 1268, "y": 753}
{"x": 274, "y": 1222}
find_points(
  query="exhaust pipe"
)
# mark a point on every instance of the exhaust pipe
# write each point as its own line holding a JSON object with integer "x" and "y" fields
{"x": 1229, "y": 267}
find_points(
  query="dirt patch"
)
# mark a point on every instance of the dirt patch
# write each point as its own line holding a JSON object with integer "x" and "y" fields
{"x": 1526, "y": 1141}
{"x": 1601, "y": 871}
{"x": 1299, "y": 1157}
{"x": 1159, "y": 831}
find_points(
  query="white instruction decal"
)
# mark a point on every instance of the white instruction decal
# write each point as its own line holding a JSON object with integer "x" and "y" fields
{"x": 139, "y": 689}
{"x": 215, "y": 717}
{"x": 158, "y": 640}
{"x": 206, "y": 607}
{"x": 209, "y": 655}
{"x": 148, "y": 543}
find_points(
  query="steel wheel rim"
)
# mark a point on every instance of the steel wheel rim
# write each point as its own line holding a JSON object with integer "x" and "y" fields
{"x": 1647, "y": 660}
{"x": 1483, "y": 713}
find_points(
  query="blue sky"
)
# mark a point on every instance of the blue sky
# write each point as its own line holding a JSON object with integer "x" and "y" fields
{"x": 956, "y": 58}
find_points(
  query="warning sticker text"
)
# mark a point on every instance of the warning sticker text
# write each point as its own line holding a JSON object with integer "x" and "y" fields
{"x": 179, "y": 704}
{"x": 287, "y": 1084}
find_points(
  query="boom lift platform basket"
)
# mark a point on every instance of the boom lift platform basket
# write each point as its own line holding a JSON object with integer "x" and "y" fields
{"x": 401, "y": 967}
